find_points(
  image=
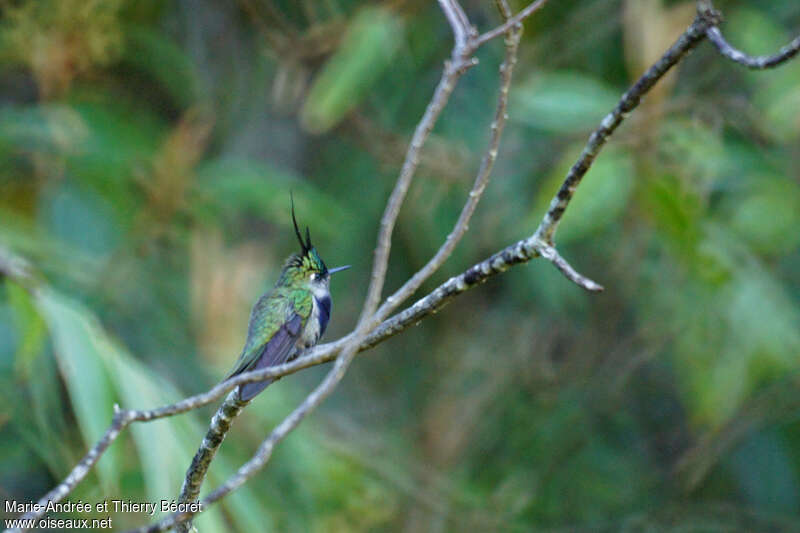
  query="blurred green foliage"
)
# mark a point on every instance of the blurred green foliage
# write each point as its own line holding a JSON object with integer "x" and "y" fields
{"x": 147, "y": 151}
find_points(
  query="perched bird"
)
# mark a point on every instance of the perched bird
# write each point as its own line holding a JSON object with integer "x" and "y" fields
{"x": 290, "y": 317}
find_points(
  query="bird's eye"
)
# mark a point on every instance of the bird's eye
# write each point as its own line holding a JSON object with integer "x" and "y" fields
{"x": 314, "y": 276}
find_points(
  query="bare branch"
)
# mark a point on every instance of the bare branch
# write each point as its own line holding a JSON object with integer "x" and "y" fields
{"x": 510, "y": 23}
{"x": 120, "y": 421}
{"x": 693, "y": 35}
{"x": 737, "y": 56}
{"x": 753, "y": 62}
{"x": 453, "y": 70}
{"x": 462, "y": 29}
{"x": 219, "y": 427}
{"x": 552, "y": 255}
{"x": 481, "y": 180}
{"x": 466, "y": 42}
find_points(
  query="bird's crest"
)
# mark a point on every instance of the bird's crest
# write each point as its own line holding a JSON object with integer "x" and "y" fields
{"x": 304, "y": 246}
{"x": 308, "y": 257}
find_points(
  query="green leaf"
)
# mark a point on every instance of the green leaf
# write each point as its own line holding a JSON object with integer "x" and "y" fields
{"x": 690, "y": 148}
{"x": 599, "y": 200}
{"x": 78, "y": 343}
{"x": 764, "y": 323}
{"x": 366, "y": 51}
{"x": 118, "y": 137}
{"x": 562, "y": 102}
{"x": 234, "y": 186}
{"x": 43, "y": 128}
{"x": 153, "y": 53}
{"x": 31, "y": 327}
{"x": 768, "y": 217}
{"x": 166, "y": 446}
{"x": 675, "y": 209}
{"x": 746, "y": 333}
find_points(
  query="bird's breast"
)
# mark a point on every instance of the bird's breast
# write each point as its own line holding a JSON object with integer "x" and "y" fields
{"x": 317, "y": 321}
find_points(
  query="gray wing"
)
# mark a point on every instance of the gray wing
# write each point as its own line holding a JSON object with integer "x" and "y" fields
{"x": 276, "y": 352}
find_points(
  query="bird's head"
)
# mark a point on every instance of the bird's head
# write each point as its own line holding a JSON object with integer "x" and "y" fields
{"x": 307, "y": 266}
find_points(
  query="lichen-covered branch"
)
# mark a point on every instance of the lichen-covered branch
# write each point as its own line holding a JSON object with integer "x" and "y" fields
{"x": 219, "y": 427}
{"x": 706, "y": 18}
{"x": 753, "y": 62}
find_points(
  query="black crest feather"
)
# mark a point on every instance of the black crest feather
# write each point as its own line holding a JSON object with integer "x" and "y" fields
{"x": 305, "y": 246}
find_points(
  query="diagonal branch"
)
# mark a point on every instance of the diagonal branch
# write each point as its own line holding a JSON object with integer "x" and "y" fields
{"x": 459, "y": 23}
{"x": 217, "y": 430}
{"x": 552, "y": 255}
{"x": 694, "y": 34}
{"x": 466, "y": 42}
{"x": 456, "y": 67}
{"x": 481, "y": 180}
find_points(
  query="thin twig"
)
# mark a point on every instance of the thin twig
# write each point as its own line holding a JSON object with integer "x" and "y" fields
{"x": 552, "y": 255}
{"x": 460, "y": 61}
{"x": 481, "y": 180}
{"x": 510, "y": 23}
{"x": 753, "y": 62}
{"x": 462, "y": 29}
{"x": 687, "y": 41}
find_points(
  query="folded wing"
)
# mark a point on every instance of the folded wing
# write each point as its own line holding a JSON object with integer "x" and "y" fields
{"x": 280, "y": 347}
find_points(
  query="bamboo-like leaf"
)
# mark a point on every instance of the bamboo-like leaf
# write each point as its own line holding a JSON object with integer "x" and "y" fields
{"x": 78, "y": 341}
{"x": 164, "y": 446}
{"x": 562, "y": 102}
{"x": 366, "y": 51}
{"x": 233, "y": 186}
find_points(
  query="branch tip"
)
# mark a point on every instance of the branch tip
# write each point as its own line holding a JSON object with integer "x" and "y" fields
{"x": 551, "y": 254}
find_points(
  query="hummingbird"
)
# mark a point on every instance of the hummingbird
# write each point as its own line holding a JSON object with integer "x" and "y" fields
{"x": 289, "y": 318}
